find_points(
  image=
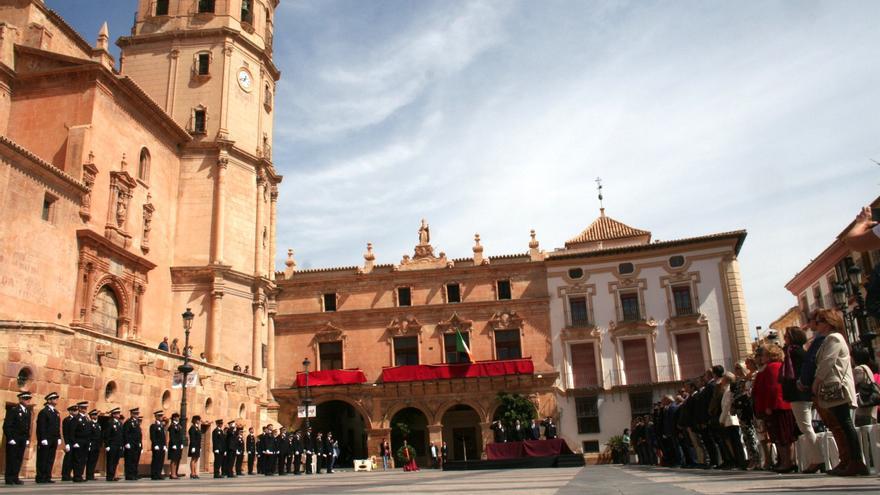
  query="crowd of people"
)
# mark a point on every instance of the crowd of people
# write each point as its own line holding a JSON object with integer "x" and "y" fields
{"x": 518, "y": 432}
{"x": 82, "y": 437}
{"x": 751, "y": 417}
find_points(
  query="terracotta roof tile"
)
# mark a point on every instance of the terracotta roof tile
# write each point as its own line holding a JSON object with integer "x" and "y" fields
{"x": 606, "y": 228}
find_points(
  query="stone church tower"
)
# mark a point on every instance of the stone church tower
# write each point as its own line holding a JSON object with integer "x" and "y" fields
{"x": 208, "y": 64}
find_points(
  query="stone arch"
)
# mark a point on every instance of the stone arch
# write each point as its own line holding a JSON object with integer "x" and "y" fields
{"x": 122, "y": 295}
{"x": 358, "y": 407}
{"x": 398, "y": 406}
{"x": 25, "y": 377}
{"x": 481, "y": 411}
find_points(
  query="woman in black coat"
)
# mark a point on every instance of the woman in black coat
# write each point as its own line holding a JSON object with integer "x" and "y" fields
{"x": 195, "y": 446}
{"x": 800, "y": 398}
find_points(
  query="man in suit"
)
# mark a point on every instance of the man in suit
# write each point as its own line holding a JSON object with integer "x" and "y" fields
{"x": 218, "y": 445}
{"x": 82, "y": 433}
{"x": 534, "y": 430}
{"x": 500, "y": 434}
{"x": 113, "y": 444}
{"x": 67, "y": 432}
{"x": 549, "y": 428}
{"x": 95, "y": 439}
{"x": 444, "y": 453}
{"x": 133, "y": 438}
{"x": 48, "y": 438}
{"x": 17, "y": 428}
{"x": 250, "y": 446}
{"x": 158, "y": 446}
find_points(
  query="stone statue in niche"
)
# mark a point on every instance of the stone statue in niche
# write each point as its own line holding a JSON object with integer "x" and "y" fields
{"x": 121, "y": 207}
{"x": 424, "y": 233}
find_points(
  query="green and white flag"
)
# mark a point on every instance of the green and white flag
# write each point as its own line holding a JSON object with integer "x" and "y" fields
{"x": 461, "y": 345}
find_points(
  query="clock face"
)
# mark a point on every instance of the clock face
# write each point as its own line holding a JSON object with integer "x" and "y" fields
{"x": 244, "y": 79}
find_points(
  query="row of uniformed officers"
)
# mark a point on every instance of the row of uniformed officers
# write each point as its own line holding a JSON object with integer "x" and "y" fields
{"x": 82, "y": 437}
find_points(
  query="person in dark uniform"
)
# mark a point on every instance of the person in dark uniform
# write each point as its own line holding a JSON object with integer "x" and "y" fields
{"x": 268, "y": 450}
{"x": 95, "y": 438}
{"x": 518, "y": 433}
{"x": 48, "y": 438}
{"x": 133, "y": 438}
{"x": 444, "y": 453}
{"x": 175, "y": 446}
{"x": 67, "y": 432}
{"x": 239, "y": 449}
{"x": 17, "y": 428}
{"x": 82, "y": 433}
{"x": 288, "y": 466}
{"x": 114, "y": 444}
{"x": 251, "y": 448}
{"x": 195, "y": 446}
{"x": 218, "y": 445}
{"x": 499, "y": 431}
{"x": 158, "y": 446}
{"x": 261, "y": 457}
{"x": 535, "y": 430}
{"x": 297, "y": 449}
{"x": 549, "y": 428}
{"x": 309, "y": 449}
{"x": 231, "y": 452}
{"x": 281, "y": 450}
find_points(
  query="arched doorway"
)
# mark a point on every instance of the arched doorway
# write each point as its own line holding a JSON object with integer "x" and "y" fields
{"x": 461, "y": 432}
{"x": 106, "y": 314}
{"x": 347, "y": 426}
{"x": 412, "y": 424}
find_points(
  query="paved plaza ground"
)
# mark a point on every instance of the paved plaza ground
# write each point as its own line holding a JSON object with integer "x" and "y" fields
{"x": 563, "y": 481}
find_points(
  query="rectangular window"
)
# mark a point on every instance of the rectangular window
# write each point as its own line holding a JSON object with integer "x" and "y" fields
{"x": 247, "y": 11}
{"x": 577, "y": 307}
{"x": 406, "y": 351}
{"x": 587, "y": 414}
{"x": 635, "y": 362}
{"x": 681, "y": 295}
{"x": 817, "y": 296}
{"x": 161, "y": 7}
{"x": 641, "y": 403}
{"x": 404, "y": 296}
{"x": 507, "y": 344}
{"x": 199, "y": 121}
{"x": 629, "y": 306}
{"x": 204, "y": 64}
{"x": 590, "y": 446}
{"x": 583, "y": 365}
{"x": 49, "y": 208}
{"x": 450, "y": 350}
{"x": 206, "y": 6}
{"x": 330, "y": 302}
{"x": 689, "y": 348}
{"x": 805, "y": 307}
{"x": 331, "y": 355}
{"x": 453, "y": 293}
{"x": 504, "y": 290}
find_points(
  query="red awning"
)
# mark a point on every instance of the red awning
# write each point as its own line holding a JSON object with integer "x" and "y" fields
{"x": 331, "y": 377}
{"x": 423, "y": 372}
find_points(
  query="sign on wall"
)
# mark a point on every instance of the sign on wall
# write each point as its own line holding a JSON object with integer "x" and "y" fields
{"x": 301, "y": 411}
{"x": 192, "y": 380}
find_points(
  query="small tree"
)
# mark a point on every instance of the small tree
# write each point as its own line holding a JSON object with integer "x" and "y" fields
{"x": 515, "y": 407}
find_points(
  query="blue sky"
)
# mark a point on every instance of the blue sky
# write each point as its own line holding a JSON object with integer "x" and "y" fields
{"x": 496, "y": 117}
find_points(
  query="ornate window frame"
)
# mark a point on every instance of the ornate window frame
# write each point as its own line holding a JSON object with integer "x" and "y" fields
{"x": 404, "y": 326}
{"x": 582, "y": 289}
{"x": 449, "y": 326}
{"x": 580, "y": 335}
{"x": 697, "y": 323}
{"x": 329, "y": 333}
{"x": 506, "y": 320}
{"x": 639, "y": 286}
{"x": 682, "y": 278}
{"x": 650, "y": 338}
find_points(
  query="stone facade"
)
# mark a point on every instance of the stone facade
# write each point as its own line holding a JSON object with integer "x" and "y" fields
{"x": 122, "y": 208}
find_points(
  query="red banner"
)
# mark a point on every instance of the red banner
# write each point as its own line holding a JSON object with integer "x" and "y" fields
{"x": 424, "y": 372}
{"x": 330, "y": 377}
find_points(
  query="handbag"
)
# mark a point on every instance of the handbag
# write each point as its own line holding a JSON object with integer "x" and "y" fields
{"x": 868, "y": 390}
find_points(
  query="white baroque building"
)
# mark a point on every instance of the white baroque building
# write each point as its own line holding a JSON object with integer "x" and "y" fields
{"x": 631, "y": 319}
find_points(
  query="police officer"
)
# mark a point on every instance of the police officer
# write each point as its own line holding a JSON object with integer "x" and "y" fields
{"x": 48, "y": 438}
{"x": 297, "y": 449}
{"x": 175, "y": 446}
{"x": 281, "y": 450}
{"x": 158, "y": 446}
{"x": 195, "y": 446}
{"x": 67, "y": 432}
{"x": 251, "y": 448}
{"x": 133, "y": 437}
{"x": 309, "y": 449}
{"x": 239, "y": 449}
{"x": 320, "y": 453}
{"x": 82, "y": 432}
{"x": 218, "y": 445}
{"x": 267, "y": 447}
{"x": 95, "y": 438}
{"x": 17, "y": 428}
{"x": 231, "y": 451}
{"x": 113, "y": 442}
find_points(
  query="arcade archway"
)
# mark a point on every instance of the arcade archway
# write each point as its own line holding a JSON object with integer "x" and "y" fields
{"x": 411, "y": 423}
{"x": 461, "y": 432}
{"x": 347, "y": 426}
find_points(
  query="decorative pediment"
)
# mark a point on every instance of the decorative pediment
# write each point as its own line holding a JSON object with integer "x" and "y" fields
{"x": 423, "y": 256}
{"x": 505, "y": 320}
{"x": 408, "y": 325}
{"x": 581, "y": 333}
{"x": 329, "y": 333}
{"x": 687, "y": 321}
{"x": 454, "y": 323}
{"x": 633, "y": 328}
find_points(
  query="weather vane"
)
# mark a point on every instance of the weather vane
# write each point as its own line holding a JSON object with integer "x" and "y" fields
{"x": 599, "y": 188}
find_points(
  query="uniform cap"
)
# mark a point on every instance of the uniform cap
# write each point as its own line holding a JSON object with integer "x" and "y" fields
{"x": 24, "y": 395}
{"x": 158, "y": 413}
{"x": 93, "y": 412}
{"x": 71, "y": 407}
{"x": 196, "y": 418}
{"x": 53, "y": 395}
{"x": 115, "y": 410}
{"x": 134, "y": 411}
{"x": 83, "y": 405}
{"x": 175, "y": 415}
{"x": 218, "y": 421}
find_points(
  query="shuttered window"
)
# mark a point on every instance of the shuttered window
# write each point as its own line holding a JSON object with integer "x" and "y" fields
{"x": 690, "y": 355}
{"x": 635, "y": 362}
{"x": 583, "y": 365}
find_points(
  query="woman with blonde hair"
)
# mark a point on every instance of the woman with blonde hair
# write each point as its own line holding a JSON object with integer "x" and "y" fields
{"x": 835, "y": 392}
{"x": 776, "y": 412}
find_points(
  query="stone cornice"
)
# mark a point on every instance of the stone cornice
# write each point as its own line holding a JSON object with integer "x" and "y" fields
{"x": 143, "y": 264}
{"x": 44, "y": 167}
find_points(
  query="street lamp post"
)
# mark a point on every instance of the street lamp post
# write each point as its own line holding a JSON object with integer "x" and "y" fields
{"x": 856, "y": 316}
{"x": 185, "y": 368}
{"x": 307, "y": 401}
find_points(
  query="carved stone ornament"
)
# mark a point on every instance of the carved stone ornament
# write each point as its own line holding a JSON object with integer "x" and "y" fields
{"x": 408, "y": 325}
{"x": 630, "y": 328}
{"x": 505, "y": 320}
{"x": 329, "y": 333}
{"x": 688, "y": 321}
{"x": 454, "y": 323}
{"x": 423, "y": 257}
{"x": 583, "y": 333}
{"x": 148, "y": 225}
{"x": 90, "y": 173}
{"x": 122, "y": 184}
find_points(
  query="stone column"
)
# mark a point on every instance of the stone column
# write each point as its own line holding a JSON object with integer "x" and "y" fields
{"x": 374, "y": 439}
{"x": 219, "y": 207}
{"x": 272, "y": 218}
{"x": 270, "y": 348}
{"x": 435, "y": 434}
{"x": 487, "y": 436}
{"x": 738, "y": 318}
{"x": 257, "y": 343}
{"x": 170, "y": 90}
{"x": 258, "y": 231}
{"x": 223, "y": 133}
{"x": 215, "y": 321}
